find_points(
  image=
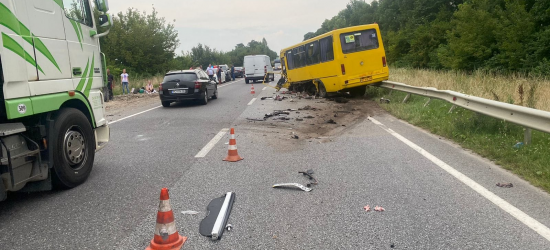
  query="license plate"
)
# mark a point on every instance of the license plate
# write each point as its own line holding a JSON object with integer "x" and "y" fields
{"x": 179, "y": 91}
{"x": 366, "y": 79}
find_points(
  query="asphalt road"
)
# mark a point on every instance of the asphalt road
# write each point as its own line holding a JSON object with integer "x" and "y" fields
{"x": 427, "y": 207}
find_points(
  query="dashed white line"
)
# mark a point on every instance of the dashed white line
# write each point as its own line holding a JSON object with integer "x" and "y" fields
{"x": 264, "y": 88}
{"x": 134, "y": 115}
{"x": 204, "y": 151}
{"x": 501, "y": 203}
{"x": 252, "y": 101}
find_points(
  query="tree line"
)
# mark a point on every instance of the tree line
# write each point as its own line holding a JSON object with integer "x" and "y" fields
{"x": 494, "y": 35}
{"x": 145, "y": 44}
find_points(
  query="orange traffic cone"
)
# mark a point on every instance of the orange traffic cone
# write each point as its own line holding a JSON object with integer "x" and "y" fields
{"x": 166, "y": 235}
{"x": 252, "y": 90}
{"x": 232, "y": 155}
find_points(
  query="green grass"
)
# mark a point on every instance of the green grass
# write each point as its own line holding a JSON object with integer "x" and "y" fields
{"x": 489, "y": 137}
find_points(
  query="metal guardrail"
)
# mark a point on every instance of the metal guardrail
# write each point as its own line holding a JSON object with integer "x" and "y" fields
{"x": 526, "y": 117}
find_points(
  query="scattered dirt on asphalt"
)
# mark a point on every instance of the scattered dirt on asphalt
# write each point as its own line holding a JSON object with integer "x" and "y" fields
{"x": 317, "y": 120}
{"x": 120, "y": 104}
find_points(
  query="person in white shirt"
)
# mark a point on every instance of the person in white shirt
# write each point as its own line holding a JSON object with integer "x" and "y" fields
{"x": 210, "y": 71}
{"x": 124, "y": 81}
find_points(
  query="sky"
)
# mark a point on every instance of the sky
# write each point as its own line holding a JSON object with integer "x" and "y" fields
{"x": 222, "y": 24}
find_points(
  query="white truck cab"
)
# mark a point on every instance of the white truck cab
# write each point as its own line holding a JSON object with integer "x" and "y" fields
{"x": 256, "y": 67}
{"x": 52, "y": 115}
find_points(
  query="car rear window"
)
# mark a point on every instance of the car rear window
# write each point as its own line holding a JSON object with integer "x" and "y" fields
{"x": 359, "y": 41}
{"x": 184, "y": 77}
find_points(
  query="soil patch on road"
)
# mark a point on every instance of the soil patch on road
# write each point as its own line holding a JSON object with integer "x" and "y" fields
{"x": 311, "y": 120}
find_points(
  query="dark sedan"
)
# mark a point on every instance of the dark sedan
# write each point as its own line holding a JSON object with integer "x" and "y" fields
{"x": 239, "y": 72}
{"x": 187, "y": 85}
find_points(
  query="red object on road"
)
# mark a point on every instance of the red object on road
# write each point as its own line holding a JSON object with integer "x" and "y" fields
{"x": 166, "y": 235}
{"x": 232, "y": 154}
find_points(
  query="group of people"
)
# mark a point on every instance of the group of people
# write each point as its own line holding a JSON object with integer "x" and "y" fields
{"x": 124, "y": 80}
{"x": 211, "y": 70}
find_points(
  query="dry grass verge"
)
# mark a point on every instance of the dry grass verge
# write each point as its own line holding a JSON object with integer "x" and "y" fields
{"x": 516, "y": 89}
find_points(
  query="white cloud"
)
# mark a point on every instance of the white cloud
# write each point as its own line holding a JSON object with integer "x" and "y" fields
{"x": 222, "y": 24}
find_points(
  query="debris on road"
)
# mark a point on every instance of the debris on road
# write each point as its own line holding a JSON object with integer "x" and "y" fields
{"x": 295, "y": 136}
{"x": 366, "y": 208}
{"x": 505, "y": 185}
{"x": 341, "y": 100}
{"x": 379, "y": 209}
{"x": 266, "y": 97}
{"x": 256, "y": 119}
{"x": 219, "y": 209}
{"x": 331, "y": 122}
{"x": 229, "y": 227}
{"x": 292, "y": 185}
{"x": 383, "y": 100}
{"x": 309, "y": 174}
{"x": 190, "y": 212}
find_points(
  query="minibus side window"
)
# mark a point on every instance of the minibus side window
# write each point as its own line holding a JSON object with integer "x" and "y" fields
{"x": 289, "y": 59}
{"x": 359, "y": 41}
{"x": 312, "y": 53}
{"x": 327, "y": 50}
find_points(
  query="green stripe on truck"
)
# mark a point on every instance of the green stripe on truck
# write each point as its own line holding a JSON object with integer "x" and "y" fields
{"x": 12, "y": 45}
{"x": 10, "y": 21}
{"x": 42, "y": 104}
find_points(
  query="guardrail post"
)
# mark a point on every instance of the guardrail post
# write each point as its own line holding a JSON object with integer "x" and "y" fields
{"x": 406, "y": 98}
{"x": 527, "y": 136}
{"x": 428, "y": 102}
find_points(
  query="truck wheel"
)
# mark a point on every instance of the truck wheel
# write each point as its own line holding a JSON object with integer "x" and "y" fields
{"x": 73, "y": 147}
{"x": 247, "y": 81}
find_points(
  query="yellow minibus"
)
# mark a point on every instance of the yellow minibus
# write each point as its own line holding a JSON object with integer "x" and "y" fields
{"x": 345, "y": 59}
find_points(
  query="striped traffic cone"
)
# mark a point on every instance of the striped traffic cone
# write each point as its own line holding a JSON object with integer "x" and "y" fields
{"x": 166, "y": 235}
{"x": 252, "y": 91}
{"x": 232, "y": 155}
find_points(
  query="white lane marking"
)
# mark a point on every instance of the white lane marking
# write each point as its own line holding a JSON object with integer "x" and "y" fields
{"x": 227, "y": 84}
{"x": 252, "y": 101}
{"x": 133, "y": 115}
{"x": 264, "y": 88}
{"x": 204, "y": 151}
{"x": 501, "y": 203}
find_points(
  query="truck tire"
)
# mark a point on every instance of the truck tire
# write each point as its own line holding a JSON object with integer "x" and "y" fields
{"x": 73, "y": 148}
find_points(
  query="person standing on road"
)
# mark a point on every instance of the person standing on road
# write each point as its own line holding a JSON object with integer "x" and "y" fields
{"x": 125, "y": 82}
{"x": 110, "y": 79}
{"x": 210, "y": 72}
{"x": 233, "y": 72}
{"x": 220, "y": 74}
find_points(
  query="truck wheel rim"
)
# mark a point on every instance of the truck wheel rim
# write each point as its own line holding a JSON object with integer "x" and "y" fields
{"x": 74, "y": 146}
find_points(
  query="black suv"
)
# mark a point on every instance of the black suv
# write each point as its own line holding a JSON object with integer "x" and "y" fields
{"x": 187, "y": 85}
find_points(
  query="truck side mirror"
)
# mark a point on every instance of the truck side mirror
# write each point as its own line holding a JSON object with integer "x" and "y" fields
{"x": 105, "y": 21}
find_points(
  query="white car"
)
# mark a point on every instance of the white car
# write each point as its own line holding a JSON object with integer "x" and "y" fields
{"x": 216, "y": 75}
